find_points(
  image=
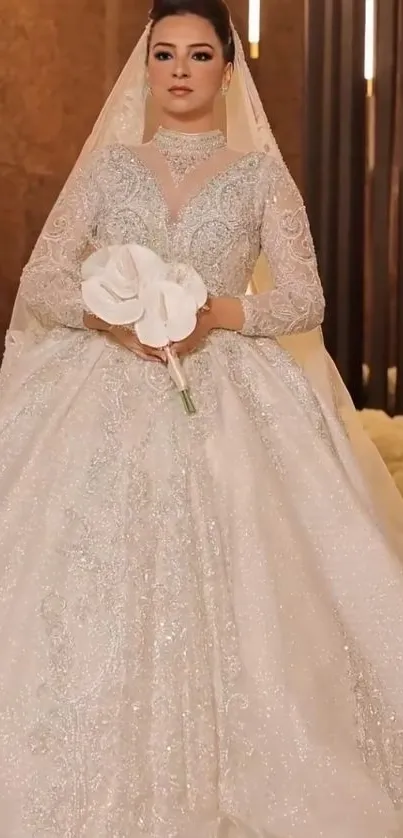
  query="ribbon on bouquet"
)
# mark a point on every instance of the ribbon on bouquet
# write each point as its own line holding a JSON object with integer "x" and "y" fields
{"x": 130, "y": 285}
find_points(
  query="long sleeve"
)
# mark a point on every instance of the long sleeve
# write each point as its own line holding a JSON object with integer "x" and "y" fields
{"x": 296, "y": 302}
{"x": 51, "y": 281}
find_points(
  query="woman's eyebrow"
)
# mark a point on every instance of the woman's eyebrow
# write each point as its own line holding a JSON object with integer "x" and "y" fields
{"x": 173, "y": 46}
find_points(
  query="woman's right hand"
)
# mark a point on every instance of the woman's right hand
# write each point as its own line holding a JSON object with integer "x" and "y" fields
{"x": 126, "y": 338}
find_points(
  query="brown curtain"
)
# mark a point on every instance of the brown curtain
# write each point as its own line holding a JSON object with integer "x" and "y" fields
{"x": 397, "y": 217}
{"x": 384, "y": 280}
{"x": 334, "y": 171}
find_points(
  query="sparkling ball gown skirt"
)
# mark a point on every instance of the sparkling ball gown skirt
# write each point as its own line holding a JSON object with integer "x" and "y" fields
{"x": 201, "y": 622}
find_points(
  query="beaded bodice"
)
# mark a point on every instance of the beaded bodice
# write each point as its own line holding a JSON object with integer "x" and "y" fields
{"x": 191, "y": 199}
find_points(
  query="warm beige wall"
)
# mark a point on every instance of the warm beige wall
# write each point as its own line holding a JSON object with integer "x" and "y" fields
{"x": 53, "y": 57}
{"x": 279, "y": 72}
{"x": 58, "y": 60}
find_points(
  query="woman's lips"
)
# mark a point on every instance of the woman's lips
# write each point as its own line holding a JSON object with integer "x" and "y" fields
{"x": 180, "y": 91}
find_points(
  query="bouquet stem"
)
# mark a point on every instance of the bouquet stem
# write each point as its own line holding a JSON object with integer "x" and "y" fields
{"x": 178, "y": 377}
{"x": 188, "y": 402}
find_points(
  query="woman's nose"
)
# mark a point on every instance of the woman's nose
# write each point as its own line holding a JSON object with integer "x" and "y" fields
{"x": 181, "y": 70}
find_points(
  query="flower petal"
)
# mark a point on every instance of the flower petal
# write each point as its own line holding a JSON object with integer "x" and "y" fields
{"x": 150, "y": 266}
{"x": 98, "y": 299}
{"x": 116, "y": 284}
{"x": 95, "y": 263}
{"x": 151, "y": 330}
{"x": 182, "y": 310}
{"x": 126, "y": 268}
{"x": 180, "y": 328}
{"x": 169, "y": 306}
{"x": 191, "y": 282}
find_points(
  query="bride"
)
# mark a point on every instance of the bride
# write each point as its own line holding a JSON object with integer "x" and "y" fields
{"x": 201, "y": 616}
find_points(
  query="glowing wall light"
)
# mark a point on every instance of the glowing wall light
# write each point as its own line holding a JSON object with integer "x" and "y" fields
{"x": 254, "y": 27}
{"x": 369, "y": 73}
{"x": 369, "y": 61}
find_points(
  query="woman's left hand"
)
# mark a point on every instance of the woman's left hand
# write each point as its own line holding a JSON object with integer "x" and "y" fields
{"x": 196, "y": 339}
{"x": 218, "y": 313}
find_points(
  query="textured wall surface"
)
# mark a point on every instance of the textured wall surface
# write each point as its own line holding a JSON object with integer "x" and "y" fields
{"x": 59, "y": 60}
{"x": 279, "y": 73}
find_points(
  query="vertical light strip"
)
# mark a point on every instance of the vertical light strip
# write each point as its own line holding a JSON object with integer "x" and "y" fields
{"x": 369, "y": 61}
{"x": 254, "y": 27}
{"x": 369, "y": 73}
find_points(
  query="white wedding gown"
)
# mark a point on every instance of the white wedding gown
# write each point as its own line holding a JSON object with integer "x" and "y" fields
{"x": 201, "y": 622}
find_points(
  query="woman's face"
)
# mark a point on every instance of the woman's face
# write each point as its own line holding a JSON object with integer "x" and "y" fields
{"x": 186, "y": 66}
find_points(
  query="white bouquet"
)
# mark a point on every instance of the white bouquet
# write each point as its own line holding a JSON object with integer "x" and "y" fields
{"x": 130, "y": 285}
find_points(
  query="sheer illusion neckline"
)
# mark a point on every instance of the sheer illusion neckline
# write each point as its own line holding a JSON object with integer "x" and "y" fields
{"x": 183, "y": 166}
{"x": 189, "y": 142}
{"x": 183, "y": 152}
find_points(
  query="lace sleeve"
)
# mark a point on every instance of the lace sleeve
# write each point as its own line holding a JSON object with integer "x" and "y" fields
{"x": 296, "y": 303}
{"x": 51, "y": 281}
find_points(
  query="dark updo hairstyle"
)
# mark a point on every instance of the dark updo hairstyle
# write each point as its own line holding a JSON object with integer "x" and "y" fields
{"x": 215, "y": 11}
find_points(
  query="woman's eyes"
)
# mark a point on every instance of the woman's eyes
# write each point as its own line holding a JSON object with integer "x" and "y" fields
{"x": 163, "y": 55}
{"x": 202, "y": 56}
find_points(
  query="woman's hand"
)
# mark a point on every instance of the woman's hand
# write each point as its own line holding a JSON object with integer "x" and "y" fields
{"x": 219, "y": 313}
{"x": 196, "y": 339}
{"x": 126, "y": 338}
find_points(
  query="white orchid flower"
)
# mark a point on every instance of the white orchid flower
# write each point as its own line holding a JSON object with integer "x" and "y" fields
{"x": 171, "y": 306}
{"x": 110, "y": 286}
{"x": 130, "y": 284}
